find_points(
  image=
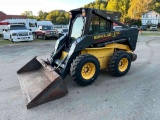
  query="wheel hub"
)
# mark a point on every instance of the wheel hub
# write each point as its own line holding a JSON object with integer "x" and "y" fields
{"x": 88, "y": 70}
{"x": 123, "y": 64}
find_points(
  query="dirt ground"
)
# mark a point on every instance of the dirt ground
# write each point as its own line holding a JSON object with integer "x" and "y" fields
{"x": 135, "y": 96}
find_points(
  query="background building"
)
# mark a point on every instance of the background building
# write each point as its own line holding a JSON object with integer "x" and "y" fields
{"x": 151, "y": 18}
{"x": 4, "y": 16}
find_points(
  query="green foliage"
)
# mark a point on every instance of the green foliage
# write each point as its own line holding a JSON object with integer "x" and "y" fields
{"x": 121, "y": 6}
{"x": 137, "y": 8}
{"x": 97, "y": 4}
{"x": 130, "y": 9}
{"x": 42, "y": 15}
{"x": 29, "y": 14}
{"x": 58, "y": 17}
{"x": 155, "y": 6}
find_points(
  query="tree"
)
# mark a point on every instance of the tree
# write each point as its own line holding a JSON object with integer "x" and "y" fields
{"x": 102, "y": 6}
{"x": 154, "y": 5}
{"x": 29, "y": 14}
{"x": 121, "y": 6}
{"x": 51, "y": 16}
{"x": 157, "y": 7}
{"x": 58, "y": 17}
{"x": 97, "y": 4}
{"x": 67, "y": 17}
{"x": 138, "y": 7}
{"x": 60, "y": 20}
{"x": 113, "y": 5}
{"x": 42, "y": 15}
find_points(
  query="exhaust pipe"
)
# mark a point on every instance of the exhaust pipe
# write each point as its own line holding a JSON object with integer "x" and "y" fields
{"x": 133, "y": 56}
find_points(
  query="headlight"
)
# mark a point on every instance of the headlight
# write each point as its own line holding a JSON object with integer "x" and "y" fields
{"x": 30, "y": 33}
{"x": 14, "y": 34}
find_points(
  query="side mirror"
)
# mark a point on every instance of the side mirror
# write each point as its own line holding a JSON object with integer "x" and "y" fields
{"x": 40, "y": 27}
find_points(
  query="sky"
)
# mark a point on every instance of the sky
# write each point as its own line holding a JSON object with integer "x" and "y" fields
{"x": 16, "y": 7}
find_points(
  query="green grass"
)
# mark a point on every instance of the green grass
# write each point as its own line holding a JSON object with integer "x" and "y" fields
{"x": 150, "y": 33}
{"x": 5, "y": 42}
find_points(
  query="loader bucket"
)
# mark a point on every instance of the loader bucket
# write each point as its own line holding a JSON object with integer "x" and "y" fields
{"x": 40, "y": 83}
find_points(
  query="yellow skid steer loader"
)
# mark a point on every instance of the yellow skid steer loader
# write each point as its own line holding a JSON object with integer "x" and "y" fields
{"x": 90, "y": 45}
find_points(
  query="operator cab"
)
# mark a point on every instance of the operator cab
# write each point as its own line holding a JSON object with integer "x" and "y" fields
{"x": 82, "y": 23}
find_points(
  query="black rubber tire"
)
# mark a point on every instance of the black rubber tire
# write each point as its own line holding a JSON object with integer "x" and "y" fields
{"x": 77, "y": 65}
{"x": 55, "y": 38}
{"x": 11, "y": 39}
{"x": 44, "y": 37}
{"x": 114, "y": 62}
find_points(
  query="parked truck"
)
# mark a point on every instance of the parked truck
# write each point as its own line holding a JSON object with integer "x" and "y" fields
{"x": 46, "y": 31}
{"x": 17, "y": 33}
{"x": 31, "y": 24}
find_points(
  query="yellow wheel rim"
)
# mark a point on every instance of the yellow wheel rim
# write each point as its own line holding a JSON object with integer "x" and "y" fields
{"x": 123, "y": 64}
{"x": 88, "y": 71}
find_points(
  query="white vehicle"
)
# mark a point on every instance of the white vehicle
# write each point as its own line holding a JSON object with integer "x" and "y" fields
{"x": 3, "y": 26}
{"x": 153, "y": 28}
{"x": 134, "y": 26}
{"x": 44, "y": 23}
{"x": 117, "y": 28}
{"x": 31, "y": 24}
{"x": 17, "y": 33}
{"x": 63, "y": 30}
{"x": 57, "y": 27}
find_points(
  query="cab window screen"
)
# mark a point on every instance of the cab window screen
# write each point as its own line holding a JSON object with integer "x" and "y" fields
{"x": 32, "y": 25}
{"x": 99, "y": 25}
{"x": 77, "y": 28}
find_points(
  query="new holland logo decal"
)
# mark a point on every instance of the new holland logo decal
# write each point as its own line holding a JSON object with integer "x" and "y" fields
{"x": 107, "y": 35}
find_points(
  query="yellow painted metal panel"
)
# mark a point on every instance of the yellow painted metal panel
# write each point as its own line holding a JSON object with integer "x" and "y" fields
{"x": 103, "y": 53}
{"x": 119, "y": 46}
{"x": 64, "y": 54}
